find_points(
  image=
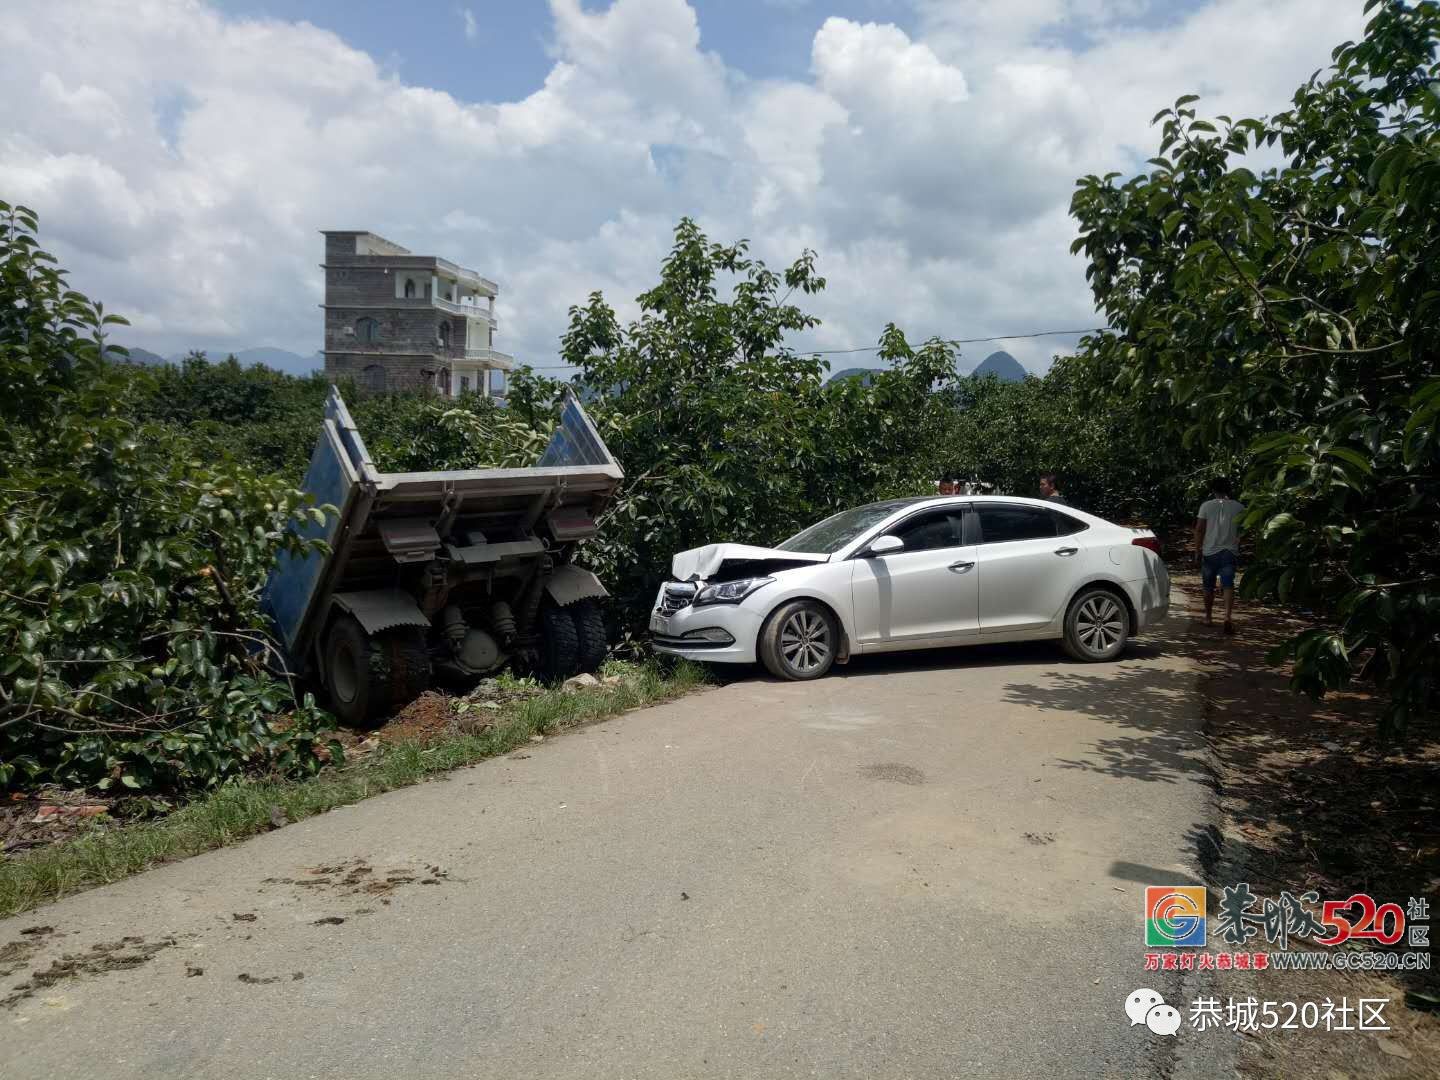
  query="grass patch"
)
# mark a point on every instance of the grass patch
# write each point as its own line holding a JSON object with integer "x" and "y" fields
{"x": 238, "y": 810}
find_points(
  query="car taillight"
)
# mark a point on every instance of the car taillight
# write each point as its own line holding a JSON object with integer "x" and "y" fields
{"x": 1151, "y": 542}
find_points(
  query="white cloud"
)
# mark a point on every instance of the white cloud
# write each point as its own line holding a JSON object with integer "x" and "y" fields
{"x": 877, "y": 66}
{"x": 931, "y": 171}
{"x": 469, "y": 22}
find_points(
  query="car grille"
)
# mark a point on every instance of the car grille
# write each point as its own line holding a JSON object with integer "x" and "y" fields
{"x": 675, "y": 595}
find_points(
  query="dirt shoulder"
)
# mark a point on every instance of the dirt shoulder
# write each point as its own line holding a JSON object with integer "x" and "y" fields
{"x": 57, "y": 842}
{"x": 1312, "y": 800}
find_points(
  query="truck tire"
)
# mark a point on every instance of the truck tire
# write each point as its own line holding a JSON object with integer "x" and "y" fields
{"x": 368, "y": 678}
{"x": 589, "y": 634}
{"x": 559, "y": 646}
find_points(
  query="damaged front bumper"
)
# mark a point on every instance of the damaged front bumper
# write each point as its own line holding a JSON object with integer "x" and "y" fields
{"x": 715, "y": 633}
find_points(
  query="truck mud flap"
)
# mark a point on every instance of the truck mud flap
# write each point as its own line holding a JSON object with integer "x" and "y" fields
{"x": 381, "y": 609}
{"x": 567, "y": 584}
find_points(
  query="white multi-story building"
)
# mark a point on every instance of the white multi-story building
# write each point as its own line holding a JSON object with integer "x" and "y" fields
{"x": 394, "y": 320}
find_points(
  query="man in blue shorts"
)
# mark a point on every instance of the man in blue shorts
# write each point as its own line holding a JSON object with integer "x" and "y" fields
{"x": 1217, "y": 545}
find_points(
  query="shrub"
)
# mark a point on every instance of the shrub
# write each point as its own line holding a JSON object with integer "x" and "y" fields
{"x": 131, "y": 564}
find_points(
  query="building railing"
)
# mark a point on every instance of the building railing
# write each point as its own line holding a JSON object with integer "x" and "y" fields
{"x": 464, "y": 273}
{"x": 472, "y": 310}
{"x": 491, "y": 356}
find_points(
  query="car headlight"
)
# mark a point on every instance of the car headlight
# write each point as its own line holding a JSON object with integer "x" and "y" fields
{"x": 730, "y": 592}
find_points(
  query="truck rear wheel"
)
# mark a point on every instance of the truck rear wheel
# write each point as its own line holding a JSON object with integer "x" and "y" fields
{"x": 589, "y": 634}
{"x": 368, "y": 678}
{"x": 559, "y": 644}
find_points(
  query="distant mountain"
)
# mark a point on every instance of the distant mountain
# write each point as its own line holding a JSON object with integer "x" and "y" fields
{"x": 275, "y": 359}
{"x": 137, "y": 356}
{"x": 1000, "y": 364}
{"x": 1003, "y": 366}
{"x": 281, "y": 360}
{"x": 864, "y": 374}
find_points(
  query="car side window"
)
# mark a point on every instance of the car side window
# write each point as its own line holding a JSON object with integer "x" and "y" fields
{"x": 1000, "y": 524}
{"x": 1065, "y": 525}
{"x": 927, "y": 532}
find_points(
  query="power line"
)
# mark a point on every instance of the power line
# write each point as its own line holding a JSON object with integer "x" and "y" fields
{"x": 877, "y": 348}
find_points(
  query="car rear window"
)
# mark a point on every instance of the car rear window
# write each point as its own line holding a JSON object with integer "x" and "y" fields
{"x": 1001, "y": 524}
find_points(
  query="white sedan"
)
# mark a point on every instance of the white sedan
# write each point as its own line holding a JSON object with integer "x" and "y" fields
{"x": 915, "y": 574}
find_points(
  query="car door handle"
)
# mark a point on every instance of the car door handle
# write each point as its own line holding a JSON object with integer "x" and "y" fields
{"x": 960, "y": 567}
{"x": 1066, "y": 550}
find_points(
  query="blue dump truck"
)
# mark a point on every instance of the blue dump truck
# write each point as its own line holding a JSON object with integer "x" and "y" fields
{"x": 443, "y": 576}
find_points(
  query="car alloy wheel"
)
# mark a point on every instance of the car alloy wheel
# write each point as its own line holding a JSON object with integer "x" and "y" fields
{"x": 799, "y": 641}
{"x": 805, "y": 641}
{"x": 1097, "y": 627}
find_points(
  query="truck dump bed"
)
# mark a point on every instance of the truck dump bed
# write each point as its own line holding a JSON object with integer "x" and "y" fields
{"x": 387, "y": 519}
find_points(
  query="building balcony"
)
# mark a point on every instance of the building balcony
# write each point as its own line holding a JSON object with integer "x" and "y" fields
{"x": 462, "y": 273}
{"x": 474, "y": 311}
{"x": 489, "y": 358}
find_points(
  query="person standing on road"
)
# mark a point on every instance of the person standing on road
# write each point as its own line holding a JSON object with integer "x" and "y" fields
{"x": 1217, "y": 546}
{"x": 1049, "y": 491}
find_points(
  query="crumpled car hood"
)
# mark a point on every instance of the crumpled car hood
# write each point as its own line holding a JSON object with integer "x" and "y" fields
{"x": 735, "y": 559}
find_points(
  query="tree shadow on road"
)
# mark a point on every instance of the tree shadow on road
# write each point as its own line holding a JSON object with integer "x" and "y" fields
{"x": 1311, "y": 798}
{"x": 1157, "y": 703}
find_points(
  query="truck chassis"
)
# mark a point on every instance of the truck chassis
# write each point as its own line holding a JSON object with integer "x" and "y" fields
{"x": 443, "y": 576}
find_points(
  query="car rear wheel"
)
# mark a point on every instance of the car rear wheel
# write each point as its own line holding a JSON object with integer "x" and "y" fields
{"x": 799, "y": 641}
{"x": 1097, "y": 626}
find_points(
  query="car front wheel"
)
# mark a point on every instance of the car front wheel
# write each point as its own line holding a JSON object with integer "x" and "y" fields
{"x": 1097, "y": 626}
{"x": 799, "y": 641}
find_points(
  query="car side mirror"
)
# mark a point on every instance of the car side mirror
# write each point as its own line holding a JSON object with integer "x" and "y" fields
{"x": 885, "y": 545}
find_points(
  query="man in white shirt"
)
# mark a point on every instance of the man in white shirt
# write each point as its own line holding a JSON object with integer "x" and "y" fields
{"x": 1217, "y": 546}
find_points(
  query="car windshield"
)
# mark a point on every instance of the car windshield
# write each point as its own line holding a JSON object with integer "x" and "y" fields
{"x": 832, "y": 534}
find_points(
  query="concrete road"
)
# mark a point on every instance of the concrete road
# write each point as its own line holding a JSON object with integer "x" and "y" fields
{"x": 921, "y": 867}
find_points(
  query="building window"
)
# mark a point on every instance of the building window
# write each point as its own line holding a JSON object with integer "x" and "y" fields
{"x": 445, "y": 335}
{"x": 409, "y": 288}
{"x": 445, "y": 381}
{"x": 464, "y": 384}
{"x": 373, "y": 378}
{"x": 367, "y": 330}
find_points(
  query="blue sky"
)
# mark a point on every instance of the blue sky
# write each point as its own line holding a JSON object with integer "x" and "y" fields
{"x": 183, "y": 154}
{"x": 424, "y": 41}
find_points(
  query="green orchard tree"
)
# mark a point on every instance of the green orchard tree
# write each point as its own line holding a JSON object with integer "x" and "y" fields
{"x": 132, "y": 648}
{"x": 725, "y": 432}
{"x": 1292, "y": 314}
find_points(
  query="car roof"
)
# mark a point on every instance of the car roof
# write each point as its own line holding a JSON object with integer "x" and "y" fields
{"x": 893, "y": 504}
{"x": 984, "y": 498}
{"x": 965, "y": 500}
